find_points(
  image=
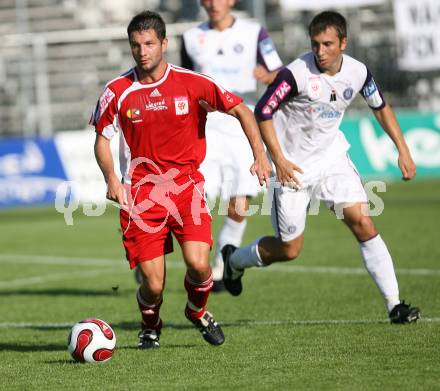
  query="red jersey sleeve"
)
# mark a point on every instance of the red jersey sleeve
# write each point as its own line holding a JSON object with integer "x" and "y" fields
{"x": 104, "y": 117}
{"x": 215, "y": 96}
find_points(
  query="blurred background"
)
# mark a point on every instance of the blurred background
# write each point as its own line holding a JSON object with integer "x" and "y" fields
{"x": 56, "y": 56}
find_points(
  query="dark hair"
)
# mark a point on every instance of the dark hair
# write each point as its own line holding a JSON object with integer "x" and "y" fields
{"x": 327, "y": 19}
{"x": 147, "y": 20}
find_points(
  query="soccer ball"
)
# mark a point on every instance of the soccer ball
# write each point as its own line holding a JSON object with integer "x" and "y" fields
{"x": 91, "y": 340}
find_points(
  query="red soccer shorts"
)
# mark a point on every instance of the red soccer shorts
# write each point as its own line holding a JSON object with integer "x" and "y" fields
{"x": 156, "y": 212}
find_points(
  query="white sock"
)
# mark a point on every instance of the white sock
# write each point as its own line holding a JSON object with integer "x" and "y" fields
{"x": 231, "y": 232}
{"x": 379, "y": 264}
{"x": 246, "y": 257}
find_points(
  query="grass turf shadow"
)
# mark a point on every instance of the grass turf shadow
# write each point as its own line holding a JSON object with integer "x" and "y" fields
{"x": 14, "y": 347}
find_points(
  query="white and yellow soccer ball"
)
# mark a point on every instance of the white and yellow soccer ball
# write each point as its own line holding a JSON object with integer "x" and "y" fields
{"x": 91, "y": 340}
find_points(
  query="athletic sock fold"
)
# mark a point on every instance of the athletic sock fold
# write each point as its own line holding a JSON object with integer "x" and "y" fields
{"x": 149, "y": 313}
{"x": 248, "y": 256}
{"x": 198, "y": 293}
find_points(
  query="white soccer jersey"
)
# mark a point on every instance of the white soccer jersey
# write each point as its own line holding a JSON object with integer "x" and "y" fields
{"x": 230, "y": 56}
{"x": 307, "y": 107}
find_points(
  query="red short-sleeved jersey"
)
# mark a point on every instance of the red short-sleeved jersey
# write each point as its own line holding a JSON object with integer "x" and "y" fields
{"x": 162, "y": 123}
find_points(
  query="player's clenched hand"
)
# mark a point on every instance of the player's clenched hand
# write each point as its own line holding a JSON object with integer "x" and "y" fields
{"x": 262, "y": 169}
{"x": 407, "y": 166}
{"x": 263, "y": 75}
{"x": 286, "y": 174}
{"x": 116, "y": 191}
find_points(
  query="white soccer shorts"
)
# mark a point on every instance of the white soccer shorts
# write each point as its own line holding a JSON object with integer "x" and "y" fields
{"x": 228, "y": 159}
{"x": 339, "y": 184}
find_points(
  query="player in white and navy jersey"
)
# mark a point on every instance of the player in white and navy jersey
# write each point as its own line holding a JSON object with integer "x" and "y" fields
{"x": 235, "y": 52}
{"x": 299, "y": 118}
{"x": 159, "y": 111}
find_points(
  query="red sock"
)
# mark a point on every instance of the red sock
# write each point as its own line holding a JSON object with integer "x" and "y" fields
{"x": 149, "y": 313}
{"x": 198, "y": 293}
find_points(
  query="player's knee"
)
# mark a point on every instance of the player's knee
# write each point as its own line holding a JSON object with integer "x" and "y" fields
{"x": 237, "y": 208}
{"x": 364, "y": 228}
{"x": 235, "y": 213}
{"x": 199, "y": 268}
{"x": 153, "y": 290}
{"x": 291, "y": 251}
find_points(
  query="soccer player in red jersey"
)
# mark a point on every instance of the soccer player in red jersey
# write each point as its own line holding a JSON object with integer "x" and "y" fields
{"x": 159, "y": 111}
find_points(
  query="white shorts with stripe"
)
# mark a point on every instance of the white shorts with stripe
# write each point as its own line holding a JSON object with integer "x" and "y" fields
{"x": 337, "y": 185}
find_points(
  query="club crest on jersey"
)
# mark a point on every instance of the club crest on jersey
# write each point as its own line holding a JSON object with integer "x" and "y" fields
{"x": 291, "y": 229}
{"x": 238, "y": 48}
{"x": 348, "y": 93}
{"x": 314, "y": 88}
{"x": 181, "y": 104}
{"x": 202, "y": 39}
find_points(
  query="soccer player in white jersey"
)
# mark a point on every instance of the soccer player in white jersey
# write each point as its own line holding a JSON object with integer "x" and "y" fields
{"x": 299, "y": 118}
{"x": 236, "y": 53}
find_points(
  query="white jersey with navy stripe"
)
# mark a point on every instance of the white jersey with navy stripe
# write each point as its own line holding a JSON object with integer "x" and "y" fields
{"x": 230, "y": 56}
{"x": 307, "y": 107}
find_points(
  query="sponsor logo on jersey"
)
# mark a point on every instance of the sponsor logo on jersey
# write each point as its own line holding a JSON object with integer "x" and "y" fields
{"x": 156, "y": 106}
{"x": 134, "y": 115}
{"x": 348, "y": 93}
{"x": 105, "y": 99}
{"x": 269, "y": 54}
{"x": 277, "y": 97}
{"x": 329, "y": 114}
{"x": 325, "y": 111}
{"x": 231, "y": 71}
{"x": 266, "y": 46}
{"x": 369, "y": 89}
{"x": 181, "y": 104}
{"x": 155, "y": 93}
{"x": 229, "y": 97}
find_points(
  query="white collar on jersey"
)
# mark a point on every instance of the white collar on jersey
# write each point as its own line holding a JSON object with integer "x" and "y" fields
{"x": 156, "y": 83}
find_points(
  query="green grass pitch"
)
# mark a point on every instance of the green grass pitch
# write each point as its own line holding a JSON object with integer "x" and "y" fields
{"x": 317, "y": 323}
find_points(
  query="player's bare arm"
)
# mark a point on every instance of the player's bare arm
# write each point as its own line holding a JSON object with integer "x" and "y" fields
{"x": 261, "y": 166}
{"x": 285, "y": 169}
{"x": 263, "y": 75}
{"x": 115, "y": 190}
{"x": 388, "y": 121}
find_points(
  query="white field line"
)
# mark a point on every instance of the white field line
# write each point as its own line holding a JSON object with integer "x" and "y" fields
{"x": 56, "y": 260}
{"x": 109, "y": 266}
{"x": 279, "y": 267}
{"x": 347, "y": 270}
{"x": 54, "y": 277}
{"x": 25, "y": 325}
